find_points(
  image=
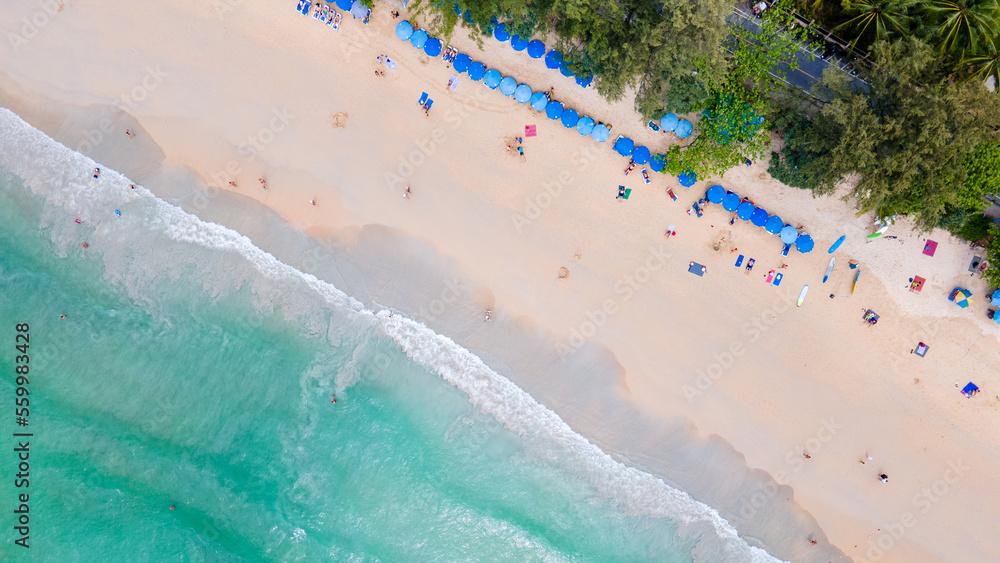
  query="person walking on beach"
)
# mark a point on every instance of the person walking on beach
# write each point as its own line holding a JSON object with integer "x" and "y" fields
{"x": 263, "y": 183}
{"x": 406, "y": 194}
{"x": 128, "y": 134}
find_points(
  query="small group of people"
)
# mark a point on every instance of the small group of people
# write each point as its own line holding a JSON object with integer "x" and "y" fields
{"x": 870, "y": 318}
{"x": 518, "y": 143}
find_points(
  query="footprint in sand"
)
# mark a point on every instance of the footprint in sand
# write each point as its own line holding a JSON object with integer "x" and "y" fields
{"x": 339, "y": 119}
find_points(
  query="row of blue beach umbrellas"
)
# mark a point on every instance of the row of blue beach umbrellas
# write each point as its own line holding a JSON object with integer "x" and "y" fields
{"x": 355, "y": 7}
{"x": 522, "y": 93}
{"x": 536, "y": 50}
{"x": 748, "y": 212}
{"x": 641, "y": 154}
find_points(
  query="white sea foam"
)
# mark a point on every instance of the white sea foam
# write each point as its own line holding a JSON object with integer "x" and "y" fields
{"x": 64, "y": 178}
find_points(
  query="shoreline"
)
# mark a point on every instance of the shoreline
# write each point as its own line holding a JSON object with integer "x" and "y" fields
{"x": 614, "y": 239}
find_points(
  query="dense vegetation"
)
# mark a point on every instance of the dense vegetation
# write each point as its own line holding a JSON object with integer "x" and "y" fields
{"x": 920, "y": 138}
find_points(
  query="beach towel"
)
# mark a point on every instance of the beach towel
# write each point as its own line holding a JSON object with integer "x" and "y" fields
{"x": 423, "y": 98}
{"x": 929, "y": 247}
{"x": 917, "y": 284}
{"x": 770, "y": 276}
{"x": 739, "y": 261}
{"x": 628, "y": 192}
{"x": 777, "y": 278}
{"x": 670, "y": 192}
{"x": 697, "y": 269}
{"x": 453, "y": 82}
{"x": 921, "y": 350}
{"x": 529, "y": 131}
{"x": 970, "y": 389}
{"x": 389, "y": 63}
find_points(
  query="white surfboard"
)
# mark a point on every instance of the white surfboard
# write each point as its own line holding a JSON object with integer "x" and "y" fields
{"x": 829, "y": 270}
{"x": 802, "y": 294}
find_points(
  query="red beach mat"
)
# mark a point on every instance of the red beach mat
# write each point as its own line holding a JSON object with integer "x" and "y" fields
{"x": 929, "y": 247}
{"x": 529, "y": 131}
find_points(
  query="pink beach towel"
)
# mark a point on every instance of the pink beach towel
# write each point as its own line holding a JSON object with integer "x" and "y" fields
{"x": 929, "y": 247}
{"x": 529, "y": 130}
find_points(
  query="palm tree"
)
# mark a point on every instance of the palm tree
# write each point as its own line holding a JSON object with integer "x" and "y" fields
{"x": 882, "y": 17}
{"x": 984, "y": 64}
{"x": 965, "y": 25}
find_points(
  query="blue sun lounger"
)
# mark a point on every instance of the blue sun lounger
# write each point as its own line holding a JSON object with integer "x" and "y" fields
{"x": 788, "y": 247}
{"x": 423, "y": 99}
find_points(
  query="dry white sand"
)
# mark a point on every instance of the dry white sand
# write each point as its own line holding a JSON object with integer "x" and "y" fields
{"x": 254, "y": 90}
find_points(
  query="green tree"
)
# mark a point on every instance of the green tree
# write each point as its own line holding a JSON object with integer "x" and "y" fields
{"x": 992, "y": 273}
{"x": 878, "y": 19}
{"x": 984, "y": 64}
{"x": 733, "y": 127}
{"x": 906, "y": 137}
{"x": 982, "y": 168}
{"x": 964, "y": 26}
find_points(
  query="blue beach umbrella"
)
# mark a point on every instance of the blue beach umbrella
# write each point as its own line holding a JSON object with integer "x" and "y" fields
{"x": 359, "y": 10}
{"x": 995, "y": 299}
{"x": 601, "y": 133}
{"x": 433, "y": 47}
{"x": 624, "y": 146}
{"x": 492, "y": 78}
{"x": 345, "y": 4}
{"x": 585, "y": 81}
{"x": 500, "y": 33}
{"x": 570, "y": 118}
{"x": 536, "y": 49}
{"x": 522, "y": 93}
{"x": 404, "y": 30}
{"x": 538, "y": 101}
{"x": 640, "y": 155}
{"x": 658, "y": 163}
{"x": 461, "y": 63}
{"x": 715, "y": 193}
{"x": 774, "y": 224}
{"x": 477, "y": 71}
{"x": 564, "y": 69}
{"x": 687, "y": 178}
{"x": 759, "y": 217}
{"x": 585, "y": 126}
{"x": 518, "y": 43}
{"x": 669, "y": 122}
{"x": 684, "y": 129}
{"x": 418, "y": 39}
{"x": 730, "y": 202}
{"x": 745, "y": 210}
{"x": 804, "y": 243}
{"x": 554, "y": 110}
{"x": 788, "y": 234}
{"x": 553, "y": 59}
{"x": 507, "y": 86}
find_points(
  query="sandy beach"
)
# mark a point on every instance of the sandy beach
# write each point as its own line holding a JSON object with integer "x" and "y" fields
{"x": 235, "y": 91}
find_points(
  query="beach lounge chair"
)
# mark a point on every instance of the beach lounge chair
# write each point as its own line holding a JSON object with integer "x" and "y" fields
{"x": 749, "y": 267}
{"x": 427, "y": 106}
{"x": 777, "y": 278}
{"x": 317, "y": 11}
{"x": 335, "y": 20}
{"x": 645, "y": 175}
{"x": 300, "y": 6}
{"x": 423, "y": 99}
{"x": 653, "y": 126}
{"x": 621, "y": 191}
{"x": 305, "y": 8}
{"x": 784, "y": 251}
{"x": 739, "y": 261}
{"x": 697, "y": 209}
{"x": 670, "y": 192}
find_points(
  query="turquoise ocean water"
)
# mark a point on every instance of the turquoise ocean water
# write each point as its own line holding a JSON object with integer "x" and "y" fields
{"x": 193, "y": 370}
